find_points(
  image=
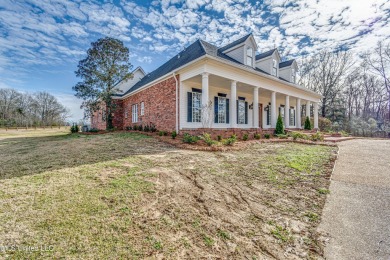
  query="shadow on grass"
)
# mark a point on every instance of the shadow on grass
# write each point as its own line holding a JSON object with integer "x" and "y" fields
{"x": 33, "y": 155}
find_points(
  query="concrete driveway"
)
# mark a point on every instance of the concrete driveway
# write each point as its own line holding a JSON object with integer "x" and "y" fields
{"x": 357, "y": 211}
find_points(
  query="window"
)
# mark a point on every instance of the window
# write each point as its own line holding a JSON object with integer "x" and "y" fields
{"x": 221, "y": 109}
{"x": 241, "y": 115}
{"x": 142, "y": 108}
{"x": 249, "y": 57}
{"x": 134, "y": 110}
{"x": 196, "y": 107}
{"x": 268, "y": 111}
{"x": 293, "y": 75}
{"x": 103, "y": 116}
{"x": 292, "y": 116}
{"x": 274, "y": 68}
{"x": 126, "y": 113}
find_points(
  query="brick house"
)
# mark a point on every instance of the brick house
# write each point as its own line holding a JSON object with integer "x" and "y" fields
{"x": 231, "y": 85}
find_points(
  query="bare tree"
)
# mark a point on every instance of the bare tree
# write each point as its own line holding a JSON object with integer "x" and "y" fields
{"x": 379, "y": 62}
{"x": 325, "y": 73}
{"x": 207, "y": 115}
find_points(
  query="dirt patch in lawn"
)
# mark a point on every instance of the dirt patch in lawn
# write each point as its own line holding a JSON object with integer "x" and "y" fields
{"x": 264, "y": 201}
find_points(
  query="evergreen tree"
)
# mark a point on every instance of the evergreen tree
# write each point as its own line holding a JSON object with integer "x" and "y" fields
{"x": 279, "y": 130}
{"x": 307, "y": 124}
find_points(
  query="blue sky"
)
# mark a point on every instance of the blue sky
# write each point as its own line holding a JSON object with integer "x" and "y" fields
{"x": 42, "y": 40}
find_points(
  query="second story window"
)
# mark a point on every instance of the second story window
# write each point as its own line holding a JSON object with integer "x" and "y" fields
{"x": 293, "y": 75}
{"x": 249, "y": 57}
{"x": 274, "y": 68}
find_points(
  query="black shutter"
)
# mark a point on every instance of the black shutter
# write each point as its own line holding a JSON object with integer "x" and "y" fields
{"x": 227, "y": 111}
{"x": 237, "y": 111}
{"x": 215, "y": 109}
{"x": 246, "y": 112}
{"x": 189, "y": 106}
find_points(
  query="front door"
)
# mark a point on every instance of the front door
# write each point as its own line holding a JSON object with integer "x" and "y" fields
{"x": 261, "y": 115}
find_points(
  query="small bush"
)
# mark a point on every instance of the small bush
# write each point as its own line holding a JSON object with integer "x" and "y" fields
{"x": 282, "y": 136}
{"x": 230, "y": 141}
{"x": 207, "y": 138}
{"x": 317, "y": 137}
{"x": 146, "y": 128}
{"x": 93, "y": 130}
{"x": 245, "y": 137}
{"x": 267, "y": 136}
{"x": 190, "y": 139}
{"x": 74, "y": 129}
{"x": 279, "y": 130}
{"x": 307, "y": 124}
{"x": 152, "y": 128}
{"x": 174, "y": 134}
{"x": 257, "y": 136}
{"x": 297, "y": 135}
{"x": 344, "y": 133}
{"x": 219, "y": 138}
{"x": 162, "y": 133}
{"x": 140, "y": 128}
{"x": 129, "y": 128}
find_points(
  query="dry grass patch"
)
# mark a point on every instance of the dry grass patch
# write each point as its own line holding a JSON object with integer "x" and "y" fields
{"x": 146, "y": 199}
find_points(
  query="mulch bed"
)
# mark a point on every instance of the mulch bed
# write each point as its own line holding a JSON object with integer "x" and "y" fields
{"x": 202, "y": 146}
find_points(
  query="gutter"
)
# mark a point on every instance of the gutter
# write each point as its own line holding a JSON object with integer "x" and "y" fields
{"x": 177, "y": 103}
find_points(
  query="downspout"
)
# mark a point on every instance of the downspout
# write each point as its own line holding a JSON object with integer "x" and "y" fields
{"x": 177, "y": 103}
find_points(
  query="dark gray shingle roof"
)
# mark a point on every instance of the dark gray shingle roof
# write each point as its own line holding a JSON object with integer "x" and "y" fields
{"x": 286, "y": 63}
{"x": 239, "y": 41}
{"x": 265, "y": 54}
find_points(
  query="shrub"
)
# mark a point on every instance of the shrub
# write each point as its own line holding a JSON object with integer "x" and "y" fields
{"x": 230, "y": 141}
{"x": 152, "y": 128}
{"x": 140, "y": 128}
{"x": 344, "y": 133}
{"x": 93, "y": 130}
{"x": 146, "y": 128}
{"x": 74, "y": 129}
{"x": 324, "y": 124}
{"x": 257, "y": 136}
{"x": 296, "y": 135}
{"x": 282, "y": 136}
{"x": 279, "y": 130}
{"x": 174, "y": 134}
{"x": 267, "y": 136}
{"x": 128, "y": 128}
{"x": 317, "y": 137}
{"x": 162, "y": 133}
{"x": 190, "y": 139}
{"x": 307, "y": 124}
{"x": 245, "y": 137}
{"x": 207, "y": 138}
{"x": 219, "y": 138}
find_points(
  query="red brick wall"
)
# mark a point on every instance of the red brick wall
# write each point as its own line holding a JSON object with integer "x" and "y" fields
{"x": 160, "y": 106}
{"x": 97, "y": 118}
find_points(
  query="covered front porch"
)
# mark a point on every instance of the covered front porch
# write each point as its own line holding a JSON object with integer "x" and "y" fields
{"x": 235, "y": 103}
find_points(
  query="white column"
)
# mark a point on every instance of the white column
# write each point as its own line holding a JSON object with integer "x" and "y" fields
{"x": 287, "y": 112}
{"x": 315, "y": 104}
{"x": 307, "y": 109}
{"x": 273, "y": 109}
{"x": 256, "y": 107}
{"x": 233, "y": 104}
{"x": 298, "y": 116}
{"x": 205, "y": 89}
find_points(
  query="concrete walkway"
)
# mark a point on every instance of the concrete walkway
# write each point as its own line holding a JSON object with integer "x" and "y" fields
{"x": 357, "y": 211}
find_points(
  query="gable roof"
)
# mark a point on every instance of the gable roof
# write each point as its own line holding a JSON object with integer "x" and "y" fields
{"x": 236, "y": 42}
{"x": 265, "y": 54}
{"x": 286, "y": 63}
{"x": 189, "y": 54}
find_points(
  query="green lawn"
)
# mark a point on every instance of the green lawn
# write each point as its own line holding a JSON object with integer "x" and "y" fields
{"x": 126, "y": 195}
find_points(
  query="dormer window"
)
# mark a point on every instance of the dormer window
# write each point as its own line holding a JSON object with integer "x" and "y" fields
{"x": 293, "y": 75}
{"x": 249, "y": 57}
{"x": 274, "y": 68}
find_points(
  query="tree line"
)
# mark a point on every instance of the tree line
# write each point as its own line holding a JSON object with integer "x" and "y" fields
{"x": 355, "y": 89}
{"x": 19, "y": 109}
